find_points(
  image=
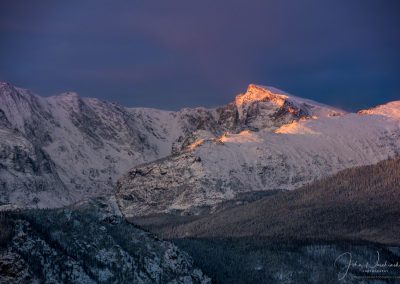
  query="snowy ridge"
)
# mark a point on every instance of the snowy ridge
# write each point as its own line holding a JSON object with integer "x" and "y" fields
{"x": 391, "y": 109}
{"x": 89, "y": 142}
{"x": 278, "y": 97}
{"x": 62, "y": 149}
{"x": 286, "y": 158}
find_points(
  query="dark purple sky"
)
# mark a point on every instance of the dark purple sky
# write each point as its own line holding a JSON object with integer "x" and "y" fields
{"x": 170, "y": 54}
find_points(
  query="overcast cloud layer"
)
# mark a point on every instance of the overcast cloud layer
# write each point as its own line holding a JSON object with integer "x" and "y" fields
{"x": 172, "y": 54}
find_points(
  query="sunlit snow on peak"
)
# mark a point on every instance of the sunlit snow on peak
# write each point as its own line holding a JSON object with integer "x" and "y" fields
{"x": 391, "y": 109}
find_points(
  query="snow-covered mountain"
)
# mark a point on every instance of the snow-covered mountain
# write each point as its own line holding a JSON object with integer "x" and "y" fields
{"x": 214, "y": 170}
{"x": 58, "y": 150}
{"x": 61, "y": 149}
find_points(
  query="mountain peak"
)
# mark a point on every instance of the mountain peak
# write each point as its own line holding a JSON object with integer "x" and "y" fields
{"x": 6, "y": 87}
{"x": 69, "y": 95}
{"x": 5, "y": 84}
{"x": 262, "y": 88}
{"x": 390, "y": 109}
{"x": 261, "y": 93}
{"x": 10, "y": 94}
{"x": 281, "y": 100}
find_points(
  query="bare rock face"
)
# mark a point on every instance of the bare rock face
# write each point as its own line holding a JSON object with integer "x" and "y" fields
{"x": 175, "y": 181}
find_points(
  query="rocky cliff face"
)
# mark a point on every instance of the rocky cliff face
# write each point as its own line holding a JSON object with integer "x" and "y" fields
{"x": 89, "y": 243}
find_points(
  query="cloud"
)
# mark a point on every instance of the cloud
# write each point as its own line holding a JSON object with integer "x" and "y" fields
{"x": 208, "y": 49}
